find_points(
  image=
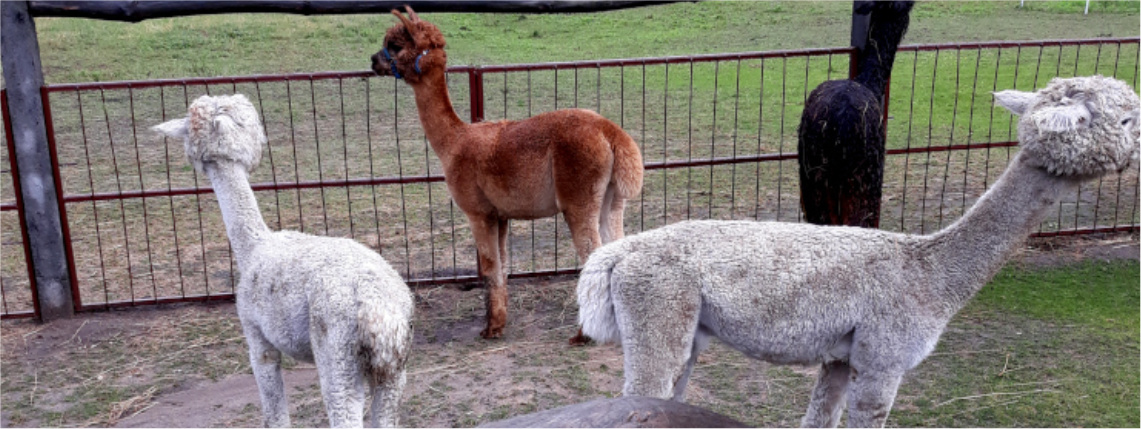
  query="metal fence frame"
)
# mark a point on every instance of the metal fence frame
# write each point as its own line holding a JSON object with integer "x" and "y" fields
{"x": 476, "y": 77}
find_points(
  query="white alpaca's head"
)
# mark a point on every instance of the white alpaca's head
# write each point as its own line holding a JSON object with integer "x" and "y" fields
{"x": 221, "y": 128}
{"x": 1081, "y": 126}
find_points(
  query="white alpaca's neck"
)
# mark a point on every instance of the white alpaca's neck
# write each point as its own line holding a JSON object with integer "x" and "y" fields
{"x": 244, "y": 224}
{"x": 975, "y": 247}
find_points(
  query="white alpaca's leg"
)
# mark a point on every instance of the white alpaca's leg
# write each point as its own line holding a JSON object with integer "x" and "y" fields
{"x": 341, "y": 376}
{"x": 658, "y": 319}
{"x": 870, "y": 397}
{"x": 826, "y": 405}
{"x": 700, "y": 341}
{"x": 386, "y": 401}
{"x": 265, "y": 360}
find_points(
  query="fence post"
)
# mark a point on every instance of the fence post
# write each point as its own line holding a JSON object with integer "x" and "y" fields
{"x": 475, "y": 91}
{"x": 23, "y": 75}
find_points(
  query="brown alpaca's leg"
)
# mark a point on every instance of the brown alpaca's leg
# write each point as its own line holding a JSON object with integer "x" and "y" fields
{"x": 584, "y": 231}
{"x": 504, "y": 255}
{"x": 486, "y": 234}
{"x": 583, "y": 223}
{"x": 617, "y": 217}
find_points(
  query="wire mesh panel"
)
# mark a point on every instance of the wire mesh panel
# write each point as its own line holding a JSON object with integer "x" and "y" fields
{"x": 717, "y": 133}
{"x": 347, "y": 157}
{"x": 946, "y": 144}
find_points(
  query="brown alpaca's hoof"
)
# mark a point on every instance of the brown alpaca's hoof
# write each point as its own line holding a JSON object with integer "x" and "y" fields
{"x": 490, "y": 333}
{"x": 579, "y": 339}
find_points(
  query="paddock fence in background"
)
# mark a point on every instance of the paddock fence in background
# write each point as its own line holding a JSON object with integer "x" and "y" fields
{"x": 347, "y": 157}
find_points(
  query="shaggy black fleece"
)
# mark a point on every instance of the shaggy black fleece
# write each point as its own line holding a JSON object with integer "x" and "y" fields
{"x": 841, "y": 134}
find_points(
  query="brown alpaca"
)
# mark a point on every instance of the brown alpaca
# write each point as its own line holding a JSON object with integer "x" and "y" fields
{"x": 572, "y": 161}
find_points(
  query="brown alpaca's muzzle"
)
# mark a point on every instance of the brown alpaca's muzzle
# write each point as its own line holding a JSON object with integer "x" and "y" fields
{"x": 380, "y": 65}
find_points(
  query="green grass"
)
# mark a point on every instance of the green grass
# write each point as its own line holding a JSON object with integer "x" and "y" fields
{"x": 1100, "y": 296}
{"x": 76, "y": 50}
{"x": 1053, "y": 347}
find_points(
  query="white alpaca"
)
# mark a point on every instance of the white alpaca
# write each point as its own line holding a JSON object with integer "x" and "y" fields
{"x": 331, "y": 301}
{"x": 868, "y": 305}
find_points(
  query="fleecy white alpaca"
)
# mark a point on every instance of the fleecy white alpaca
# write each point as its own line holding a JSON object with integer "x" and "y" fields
{"x": 331, "y": 301}
{"x": 867, "y": 305}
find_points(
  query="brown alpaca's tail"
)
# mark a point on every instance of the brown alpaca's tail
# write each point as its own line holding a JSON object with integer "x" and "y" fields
{"x": 627, "y": 172}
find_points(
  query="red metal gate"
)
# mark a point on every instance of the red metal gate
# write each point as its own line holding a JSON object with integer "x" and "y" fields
{"x": 347, "y": 157}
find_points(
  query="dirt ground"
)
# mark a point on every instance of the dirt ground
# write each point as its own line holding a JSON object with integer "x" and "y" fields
{"x": 185, "y": 366}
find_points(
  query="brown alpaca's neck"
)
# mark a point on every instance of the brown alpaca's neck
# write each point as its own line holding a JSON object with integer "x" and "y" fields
{"x": 976, "y": 246}
{"x": 437, "y": 115}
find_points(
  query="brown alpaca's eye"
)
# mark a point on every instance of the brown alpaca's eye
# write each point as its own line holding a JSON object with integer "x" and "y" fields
{"x": 393, "y": 48}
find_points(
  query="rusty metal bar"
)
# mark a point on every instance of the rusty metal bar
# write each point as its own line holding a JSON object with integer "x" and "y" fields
{"x": 663, "y": 60}
{"x": 19, "y": 206}
{"x": 139, "y": 84}
{"x": 1017, "y": 43}
{"x": 390, "y": 180}
{"x": 18, "y": 315}
{"x": 1086, "y": 231}
{"x": 475, "y": 84}
{"x": 65, "y": 226}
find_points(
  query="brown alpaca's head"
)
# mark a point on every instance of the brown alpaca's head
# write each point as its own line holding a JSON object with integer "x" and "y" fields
{"x": 412, "y": 49}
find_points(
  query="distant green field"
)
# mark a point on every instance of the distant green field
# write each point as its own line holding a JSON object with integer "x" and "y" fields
{"x": 77, "y": 50}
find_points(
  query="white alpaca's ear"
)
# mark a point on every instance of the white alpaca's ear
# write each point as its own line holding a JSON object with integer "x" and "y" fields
{"x": 1129, "y": 121}
{"x": 1014, "y": 101}
{"x": 1062, "y": 119}
{"x": 178, "y": 128}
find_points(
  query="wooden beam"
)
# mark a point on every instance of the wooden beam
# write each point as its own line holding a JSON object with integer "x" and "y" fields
{"x": 135, "y": 11}
{"x": 23, "y": 76}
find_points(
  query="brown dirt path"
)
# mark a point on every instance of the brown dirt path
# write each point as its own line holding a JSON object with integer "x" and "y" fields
{"x": 185, "y": 366}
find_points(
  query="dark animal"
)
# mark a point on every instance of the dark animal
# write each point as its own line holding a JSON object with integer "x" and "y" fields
{"x": 841, "y": 135}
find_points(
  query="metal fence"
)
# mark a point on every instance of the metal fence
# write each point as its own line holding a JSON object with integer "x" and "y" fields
{"x": 347, "y": 157}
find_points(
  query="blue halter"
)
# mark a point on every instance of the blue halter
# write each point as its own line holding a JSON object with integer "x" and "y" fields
{"x": 392, "y": 62}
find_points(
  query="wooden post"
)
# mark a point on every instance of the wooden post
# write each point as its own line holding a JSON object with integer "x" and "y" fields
{"x": 24, "y": 77}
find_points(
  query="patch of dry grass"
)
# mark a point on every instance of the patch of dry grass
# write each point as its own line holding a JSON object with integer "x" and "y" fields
{"x": 992, "y": 365}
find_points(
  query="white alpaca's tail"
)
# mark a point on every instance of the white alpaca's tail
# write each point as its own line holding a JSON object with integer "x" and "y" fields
{"x": 595, "y": 304}
{"x": 385, "y": 325}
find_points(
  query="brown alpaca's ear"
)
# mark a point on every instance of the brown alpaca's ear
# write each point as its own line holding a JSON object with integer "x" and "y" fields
{"x": 411, "y": 14}
{"x": 407, "y": 24}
